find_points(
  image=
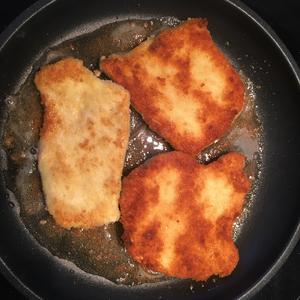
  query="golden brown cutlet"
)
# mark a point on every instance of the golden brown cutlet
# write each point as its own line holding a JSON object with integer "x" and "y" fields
{"x": 82, "y": 144}
{"x": 178, "y": 214}
{"x": 182, "y": 84}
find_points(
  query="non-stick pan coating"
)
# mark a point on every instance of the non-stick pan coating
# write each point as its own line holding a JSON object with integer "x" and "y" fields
{"x": 273, "y": 229}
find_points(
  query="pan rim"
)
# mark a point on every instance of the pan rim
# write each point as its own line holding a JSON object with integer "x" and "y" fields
{"x": 40, "y": 5}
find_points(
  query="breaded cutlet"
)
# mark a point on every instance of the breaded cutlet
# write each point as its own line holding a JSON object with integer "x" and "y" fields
{"x": 82, "y": 144}
{"x": 178, "y": 215}
{"x": 182, "y": 84}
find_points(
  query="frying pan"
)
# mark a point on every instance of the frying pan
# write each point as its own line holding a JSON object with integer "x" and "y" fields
{"x": 273, "y": 228}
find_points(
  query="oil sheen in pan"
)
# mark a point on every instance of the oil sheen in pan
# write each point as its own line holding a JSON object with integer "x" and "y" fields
{"x": 100, "y": 251}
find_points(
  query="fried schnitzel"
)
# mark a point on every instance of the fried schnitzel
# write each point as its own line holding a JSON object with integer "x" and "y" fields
{"x": 182, "y": 84}
{"x": 82, "y": 144}
{"x": 178, "y": 214}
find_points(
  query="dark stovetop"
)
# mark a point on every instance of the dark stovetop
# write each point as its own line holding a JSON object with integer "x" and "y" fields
{"x": 283, "y": 18}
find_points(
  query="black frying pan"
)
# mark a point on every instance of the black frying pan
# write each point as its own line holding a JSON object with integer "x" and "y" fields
{"x": 273, "y": 228}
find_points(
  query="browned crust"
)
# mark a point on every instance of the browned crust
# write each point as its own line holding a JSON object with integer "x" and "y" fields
{"x": 205, "y": 246}
{"x": 71, "y": 160}
{"x": 130, "y": 71}
{"x": 69, "y": 218}
{"x": 68, "y": 68}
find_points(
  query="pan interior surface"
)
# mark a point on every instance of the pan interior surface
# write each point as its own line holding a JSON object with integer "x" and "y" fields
{"x": 256, "y": 55}
{"x": 101, "y": 251}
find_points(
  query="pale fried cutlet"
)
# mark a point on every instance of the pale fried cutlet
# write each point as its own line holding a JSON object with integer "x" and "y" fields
{"x": 82, "y": 144}
{"x": 178, "y": 214}
{"x": 182, "y": 84}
